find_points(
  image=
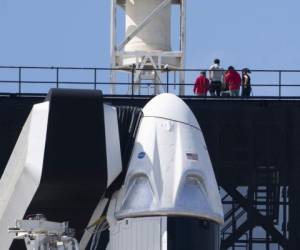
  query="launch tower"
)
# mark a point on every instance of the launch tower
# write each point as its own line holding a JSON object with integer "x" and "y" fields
{"x": 147, "y": 42}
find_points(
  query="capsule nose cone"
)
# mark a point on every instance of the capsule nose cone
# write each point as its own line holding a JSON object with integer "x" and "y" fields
{"x": 169, "y": 106}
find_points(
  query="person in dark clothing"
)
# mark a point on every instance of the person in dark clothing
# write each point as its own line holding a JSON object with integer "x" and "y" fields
{"x": 246, "y": 82}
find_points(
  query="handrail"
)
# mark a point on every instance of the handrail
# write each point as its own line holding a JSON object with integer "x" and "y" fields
{"x": 18, "y": 80}
{"x": 145, "y": 69}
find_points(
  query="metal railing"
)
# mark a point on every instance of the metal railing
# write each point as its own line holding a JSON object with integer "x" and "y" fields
{"x": 38, "y": 80}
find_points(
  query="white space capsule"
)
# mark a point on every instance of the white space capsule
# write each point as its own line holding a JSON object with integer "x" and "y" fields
{"x": 170, "y": 172}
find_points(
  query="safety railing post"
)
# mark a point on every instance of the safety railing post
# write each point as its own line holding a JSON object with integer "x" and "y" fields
{"x": 95, "y": 79}
{"x": 167, "y": 79}
{"x": 279, "y": 83}
{"x": 57, "y": 77}
{"x": 132, "y": 78}
{"x": 20, "y": 80}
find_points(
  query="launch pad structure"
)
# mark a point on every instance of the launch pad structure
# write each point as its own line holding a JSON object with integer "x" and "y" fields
{"x": 253, "y": 143}
{"x": 250, "y": 153}
{"x": 254, "y": 148}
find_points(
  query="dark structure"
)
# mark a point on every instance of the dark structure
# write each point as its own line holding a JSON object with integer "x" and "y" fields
{"x": 255, "y": 150}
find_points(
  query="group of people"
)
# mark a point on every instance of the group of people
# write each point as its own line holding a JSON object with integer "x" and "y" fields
{"x": 223, "y": 83}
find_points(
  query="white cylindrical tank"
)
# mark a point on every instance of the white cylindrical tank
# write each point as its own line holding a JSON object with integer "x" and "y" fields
{"x": 155, "y": 36}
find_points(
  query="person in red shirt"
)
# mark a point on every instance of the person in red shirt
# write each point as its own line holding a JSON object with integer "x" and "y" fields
{"x": 201, "y": 84}
{"x": 233, "y": 81}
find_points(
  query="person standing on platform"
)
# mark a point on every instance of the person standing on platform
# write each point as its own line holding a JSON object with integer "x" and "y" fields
{"x": 216, "y": 74}
{"x": 201, "y": 84}
{"x": 233, "y": 80}
{"x": 246, "y": 82}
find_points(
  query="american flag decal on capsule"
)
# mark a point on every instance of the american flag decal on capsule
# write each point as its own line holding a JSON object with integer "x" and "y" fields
{"x": 192, "y": 156}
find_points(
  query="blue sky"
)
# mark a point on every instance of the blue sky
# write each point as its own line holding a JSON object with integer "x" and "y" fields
{"x": 255, "y": 34}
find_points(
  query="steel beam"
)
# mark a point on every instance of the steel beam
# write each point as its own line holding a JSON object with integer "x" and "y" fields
{"x": 260, "y": 219}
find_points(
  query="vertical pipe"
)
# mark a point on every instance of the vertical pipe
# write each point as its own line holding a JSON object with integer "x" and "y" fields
{"x": 233, "y": 221}
{"x": 113, "y": 28}
{"x": 250, "y": 240}
{"x": 284, "y": 222}
{"x": 279, "y": 83}
{"x": 267, "y": 201}
{"x": 182, "y": 46}
{"x": 250, "y": 195}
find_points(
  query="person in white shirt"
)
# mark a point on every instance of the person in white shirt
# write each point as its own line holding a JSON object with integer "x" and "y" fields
{"x": 216, "y": 75}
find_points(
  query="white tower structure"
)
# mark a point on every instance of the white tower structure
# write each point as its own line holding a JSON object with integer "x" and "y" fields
{"x": 147, "y": 45}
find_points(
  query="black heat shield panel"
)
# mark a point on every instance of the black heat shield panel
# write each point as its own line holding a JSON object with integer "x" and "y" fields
{"x": 74, "y": 171}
